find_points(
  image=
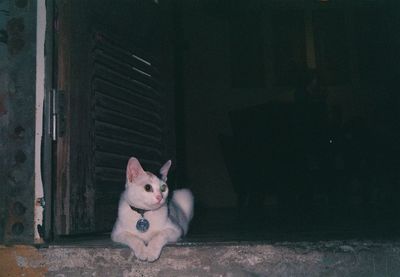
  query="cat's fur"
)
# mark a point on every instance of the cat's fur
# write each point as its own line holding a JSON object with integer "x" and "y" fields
{"x": 169, "y": 220}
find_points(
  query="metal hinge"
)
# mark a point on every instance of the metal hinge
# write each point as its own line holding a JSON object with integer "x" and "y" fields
{"x": 57, "y": 114}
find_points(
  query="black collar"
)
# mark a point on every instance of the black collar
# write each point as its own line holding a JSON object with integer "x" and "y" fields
{"x": 139, "y": 211}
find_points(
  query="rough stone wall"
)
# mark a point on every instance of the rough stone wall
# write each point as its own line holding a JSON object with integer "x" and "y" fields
{"x": 17, "y": 118}
{"x": 332, "y": 258}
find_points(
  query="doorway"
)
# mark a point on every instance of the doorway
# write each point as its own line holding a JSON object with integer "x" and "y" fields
{"x": 289, "y": 118}
{"x": 278, "y": 116}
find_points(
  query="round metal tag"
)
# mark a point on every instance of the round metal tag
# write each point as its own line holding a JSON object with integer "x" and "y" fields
{"x": 142, "y": 225}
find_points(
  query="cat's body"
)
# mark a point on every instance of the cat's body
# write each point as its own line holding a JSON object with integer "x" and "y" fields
{"x": 144, "y": 203}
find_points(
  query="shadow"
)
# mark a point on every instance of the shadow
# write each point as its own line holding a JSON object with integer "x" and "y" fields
{"x": 318, "y": 170}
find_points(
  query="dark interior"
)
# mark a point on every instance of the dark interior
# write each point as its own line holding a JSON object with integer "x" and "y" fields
{"x": 285, "y": 117}
{"x": 291, "y": 118}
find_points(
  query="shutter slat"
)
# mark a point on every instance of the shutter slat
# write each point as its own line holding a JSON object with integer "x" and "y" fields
{"x": 128, "y": 116}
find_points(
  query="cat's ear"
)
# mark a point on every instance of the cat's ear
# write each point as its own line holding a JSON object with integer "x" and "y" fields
{"x": 133, "y": 169}
{"x": 164, "y": 170}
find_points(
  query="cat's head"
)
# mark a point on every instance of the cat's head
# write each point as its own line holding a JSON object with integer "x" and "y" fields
{"x": 144, "y": 190}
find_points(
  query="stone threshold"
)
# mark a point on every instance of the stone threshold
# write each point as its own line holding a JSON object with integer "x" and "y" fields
{"x": 320, "y": 258}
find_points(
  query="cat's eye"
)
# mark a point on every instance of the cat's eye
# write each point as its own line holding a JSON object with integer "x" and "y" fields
{"x": 148, "y": 188}
{"x": 163, "y": 188}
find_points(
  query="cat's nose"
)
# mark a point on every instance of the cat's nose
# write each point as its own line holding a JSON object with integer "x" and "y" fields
{"x": 159, "y": 198}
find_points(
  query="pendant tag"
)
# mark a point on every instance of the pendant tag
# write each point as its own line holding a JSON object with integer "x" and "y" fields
{"x": 142, "y": 225}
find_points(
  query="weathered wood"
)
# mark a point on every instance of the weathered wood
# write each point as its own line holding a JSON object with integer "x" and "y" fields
{"x": 110, "y": 69}
{"x": 74, "y": 187}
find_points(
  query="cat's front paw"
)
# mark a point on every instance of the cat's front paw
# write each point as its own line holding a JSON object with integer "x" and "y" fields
{"x": 153, "y": 252}
{"x": 140, "y": 251}
{"x": 141, "y": 255}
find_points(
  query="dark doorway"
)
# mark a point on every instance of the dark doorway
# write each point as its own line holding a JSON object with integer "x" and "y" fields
{"x": 281, "y": 117}
{"x": 291, "y": 117}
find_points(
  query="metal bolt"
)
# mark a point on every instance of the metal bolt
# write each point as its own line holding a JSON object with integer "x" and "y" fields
{"x": 17, "y": 228}
{"x": 18, "y": 208}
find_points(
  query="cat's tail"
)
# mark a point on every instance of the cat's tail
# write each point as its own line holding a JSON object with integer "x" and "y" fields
{"x": 184, "y": 199}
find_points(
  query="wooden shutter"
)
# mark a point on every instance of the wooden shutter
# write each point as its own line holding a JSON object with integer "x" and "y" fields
{"x": 128, "y": 119}
{"x": 113, "y": 71}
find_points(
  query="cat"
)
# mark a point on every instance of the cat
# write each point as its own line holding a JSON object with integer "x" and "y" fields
{"x": 146, "y": 219}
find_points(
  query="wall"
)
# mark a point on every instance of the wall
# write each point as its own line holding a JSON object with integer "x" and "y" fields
{"x": 17, "y": 119}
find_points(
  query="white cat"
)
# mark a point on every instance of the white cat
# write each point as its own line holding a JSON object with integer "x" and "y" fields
{"x": 146, "y": 220}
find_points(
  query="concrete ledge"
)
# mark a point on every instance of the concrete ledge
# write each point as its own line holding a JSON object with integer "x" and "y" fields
{"x": 330, "y": 258}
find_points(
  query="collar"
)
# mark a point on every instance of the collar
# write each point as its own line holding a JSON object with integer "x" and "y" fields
{"x": 139, "y": 211}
